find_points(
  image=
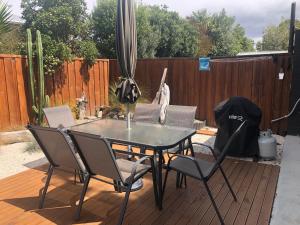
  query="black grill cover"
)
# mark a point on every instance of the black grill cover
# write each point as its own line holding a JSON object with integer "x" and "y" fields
{"x": 229, "y": 114}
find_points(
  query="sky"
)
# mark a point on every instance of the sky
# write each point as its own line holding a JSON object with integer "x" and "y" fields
{"x": 253, "y": 15}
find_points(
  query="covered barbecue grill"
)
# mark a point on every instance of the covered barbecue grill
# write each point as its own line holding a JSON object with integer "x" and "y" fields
{"x": 229, "y": 114}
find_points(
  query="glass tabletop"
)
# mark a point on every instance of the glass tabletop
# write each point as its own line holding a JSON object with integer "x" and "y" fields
{"x": 141, "y": 134}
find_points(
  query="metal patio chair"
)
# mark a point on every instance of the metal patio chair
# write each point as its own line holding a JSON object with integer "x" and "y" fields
{"x": 201, "y": 169}
{"x": 59, "y": 116}
{"x": 59, "y": 152}
{"x": 147, "y": 113}
{"x": 181, "y": 116}
{"x": 99, "y": 159}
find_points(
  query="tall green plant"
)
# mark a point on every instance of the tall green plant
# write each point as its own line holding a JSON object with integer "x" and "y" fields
{"x": 40, "y": 100}
{"x": 30, "y": 65}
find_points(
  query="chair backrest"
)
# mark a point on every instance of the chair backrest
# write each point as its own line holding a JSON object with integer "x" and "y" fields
{"x": 59, "y": 116}
{"x": 56, "y": 147}
{"x": 181, "y": 116}
{"x": 221, "y": 156}
{"x": 96, "y": 155}
{"x": 148, "y": 113}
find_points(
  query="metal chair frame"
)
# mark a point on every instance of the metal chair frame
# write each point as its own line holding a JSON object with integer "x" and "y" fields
{"x": 217, "y": 165}
{"x": 87, "y": 174}
{"x": 52, "y": 165}
{"x": 126, "y": 183}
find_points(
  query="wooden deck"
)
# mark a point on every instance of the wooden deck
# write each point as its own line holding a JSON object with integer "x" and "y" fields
{"x": 255, "y": 185}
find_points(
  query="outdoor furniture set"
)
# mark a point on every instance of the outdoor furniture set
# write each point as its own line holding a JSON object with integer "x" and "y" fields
{"x": 87, "y": 150}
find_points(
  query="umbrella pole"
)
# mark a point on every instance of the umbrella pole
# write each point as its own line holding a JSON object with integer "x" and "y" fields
{"x": 128, "y": 117}
{"x": 128, "y": 127}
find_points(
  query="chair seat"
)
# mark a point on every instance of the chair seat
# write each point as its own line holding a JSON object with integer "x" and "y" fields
{"x": 126, "y": 166}
{"x": 189, "y": 168}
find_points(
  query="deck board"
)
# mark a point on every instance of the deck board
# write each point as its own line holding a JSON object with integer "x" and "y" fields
{"x": 254, "y": 184}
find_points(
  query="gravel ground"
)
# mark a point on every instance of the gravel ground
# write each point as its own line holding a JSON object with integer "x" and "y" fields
{"x": 17, "y": 157}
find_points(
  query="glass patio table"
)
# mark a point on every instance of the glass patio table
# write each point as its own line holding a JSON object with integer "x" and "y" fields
{"x": 143, "y": 135}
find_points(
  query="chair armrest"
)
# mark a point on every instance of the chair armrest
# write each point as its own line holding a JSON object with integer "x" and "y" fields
{"x": 207, "y": 146}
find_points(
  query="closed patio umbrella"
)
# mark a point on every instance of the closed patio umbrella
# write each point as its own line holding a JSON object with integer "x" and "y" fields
{"x": 126, "y": 45}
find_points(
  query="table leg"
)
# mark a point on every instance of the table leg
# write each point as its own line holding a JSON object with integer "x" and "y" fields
{"x": 180, "y": 177}
{"x": 142, "y": 150}
{"x": 191, "y": 146}
{"x": 159, "y": 179}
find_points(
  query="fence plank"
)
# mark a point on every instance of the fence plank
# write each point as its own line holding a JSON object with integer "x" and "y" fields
{"x": 96, "y": 72}
{"x": 85, "y": 87}
{"x": 57, "y": 88}
{"x": 78, "y": 79}
{"x": 72, "y": 83}
{"x": 91, "y": 86}
{"x": 4, "y": 112}
{"x": 12, "y": 93}
{"x": 21, "y": 91}
{"x": 101, "y": 79}
{"x": 65, "y": 84}
{"x": 105, "y": 84}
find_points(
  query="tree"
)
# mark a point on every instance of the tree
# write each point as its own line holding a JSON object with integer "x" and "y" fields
{"x": 276, "y": 38}
{"x": 5, "y": 16}
{"x": 148, "y": 36}
{"x": 65, "y": 29}
{"x": 177, "y": 37}
{"x": 104, "y": 18}
{"x": 219, "y": 35}
{"x": 160, "y": 32}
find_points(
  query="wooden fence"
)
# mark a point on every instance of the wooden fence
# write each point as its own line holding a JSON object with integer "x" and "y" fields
{"x": 253, "y": 77}
{"x": 63, "y": 88}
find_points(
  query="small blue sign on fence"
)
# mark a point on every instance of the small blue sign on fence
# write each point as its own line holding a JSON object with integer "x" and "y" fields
{"x": 204, "y": 64}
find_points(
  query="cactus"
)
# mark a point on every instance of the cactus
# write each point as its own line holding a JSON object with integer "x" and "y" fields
{"x": 30, "y": 65}
{"x": 41, "y": 77}
{"x": 39, "y": 101}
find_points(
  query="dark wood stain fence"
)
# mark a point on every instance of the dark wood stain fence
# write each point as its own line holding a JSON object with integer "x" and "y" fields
{"x": 253, "y": 77}
{"x": 63, "y": 88}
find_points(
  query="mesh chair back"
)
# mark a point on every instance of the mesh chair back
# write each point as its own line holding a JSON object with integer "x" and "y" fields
{"x": 96, "y": 154}
{"x": 59, "y": 116}
{"x": 181, "y": 116}
{"x": 55, "y": 147}
{"x": 148, "y": 113}
{"x": 226, "y": 148}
